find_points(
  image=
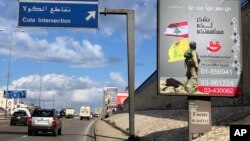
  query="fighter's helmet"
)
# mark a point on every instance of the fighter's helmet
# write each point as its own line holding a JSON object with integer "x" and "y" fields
{"x": 192, "y": 45}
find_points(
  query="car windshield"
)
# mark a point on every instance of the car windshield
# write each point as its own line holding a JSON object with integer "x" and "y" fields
{"x": 19, "y": 113}
{"x": 42, "y": 113}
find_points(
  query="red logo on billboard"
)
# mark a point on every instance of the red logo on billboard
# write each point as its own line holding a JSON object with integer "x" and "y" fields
{"x": 214, "y": 46}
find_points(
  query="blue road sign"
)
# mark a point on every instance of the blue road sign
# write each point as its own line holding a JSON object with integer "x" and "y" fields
{"x": 15, "y": 94}
{"x": 73, "y": 13}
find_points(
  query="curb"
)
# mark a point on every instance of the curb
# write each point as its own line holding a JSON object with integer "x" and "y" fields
{"x": 116, "y": 127}
{"x": 130, "y": 138}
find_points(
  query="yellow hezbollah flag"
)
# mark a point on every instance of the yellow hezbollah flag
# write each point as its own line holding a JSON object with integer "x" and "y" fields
{"x": 177, "y": 50}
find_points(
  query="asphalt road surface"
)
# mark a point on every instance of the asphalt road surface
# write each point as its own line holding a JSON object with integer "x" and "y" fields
{"x": 72, "y": 130}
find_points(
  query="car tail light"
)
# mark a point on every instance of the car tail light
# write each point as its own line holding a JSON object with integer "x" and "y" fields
{"x": 29, "y": 120}
{"x": 54, "y": 121}
{"x": 13, "y": 117}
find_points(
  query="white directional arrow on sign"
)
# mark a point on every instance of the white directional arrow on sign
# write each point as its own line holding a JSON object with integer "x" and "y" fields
{"x": 91, "y": 15}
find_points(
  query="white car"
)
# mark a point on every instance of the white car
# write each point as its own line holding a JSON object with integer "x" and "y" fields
{"x": 21, "y": 109}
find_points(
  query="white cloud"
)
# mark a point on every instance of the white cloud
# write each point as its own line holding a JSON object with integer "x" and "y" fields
{"x": 67, "y": 90}
{"x": 63, "y": 49}
{"x": 87, "y": 95}
{"x": 117, "y": 78}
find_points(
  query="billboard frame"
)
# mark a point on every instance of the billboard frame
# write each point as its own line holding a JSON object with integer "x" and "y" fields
{"x": 239, "y": 85}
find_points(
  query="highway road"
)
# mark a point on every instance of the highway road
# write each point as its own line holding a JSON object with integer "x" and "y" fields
{"x": 72, "y": 130}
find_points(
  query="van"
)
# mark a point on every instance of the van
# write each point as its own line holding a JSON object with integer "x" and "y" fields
{"x": 85, "y": 113}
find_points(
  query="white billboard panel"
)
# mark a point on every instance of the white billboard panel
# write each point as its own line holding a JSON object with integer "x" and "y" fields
{"x": 212, "y": 65}
{"x": 110, "y": 96}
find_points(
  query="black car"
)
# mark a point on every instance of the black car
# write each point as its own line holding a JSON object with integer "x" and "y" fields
{"x": 62, "y": 113}
{"x": 19, "y": 117}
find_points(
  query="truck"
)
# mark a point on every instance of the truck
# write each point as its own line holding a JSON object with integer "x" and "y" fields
{"x": 69, "y": 112}
{"x": 98, "y": 112}
{"x": 85, "y": 113}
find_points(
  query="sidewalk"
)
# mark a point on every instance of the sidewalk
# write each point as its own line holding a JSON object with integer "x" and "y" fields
{"x": 105, "y": 132}
{"x": 161, "y": 125}
{"x": 2, "y": 117}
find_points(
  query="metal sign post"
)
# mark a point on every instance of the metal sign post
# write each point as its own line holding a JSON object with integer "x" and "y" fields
{"x": 131, "y": 71}
{"x": 81, "y": 14}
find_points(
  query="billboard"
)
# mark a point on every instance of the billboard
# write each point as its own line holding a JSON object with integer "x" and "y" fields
{"x": 110, "y": 96}
{"x": 199, "y": 47}
{"x": 121, "y": 96}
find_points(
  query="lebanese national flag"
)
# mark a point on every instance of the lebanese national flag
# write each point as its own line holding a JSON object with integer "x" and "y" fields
{"x": 177, "y": 29}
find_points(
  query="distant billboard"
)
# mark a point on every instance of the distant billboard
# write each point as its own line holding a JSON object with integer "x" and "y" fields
{"x": 110, "y": 96}
{"x": 121, "y": 96}
{"x": 214, "y": 68}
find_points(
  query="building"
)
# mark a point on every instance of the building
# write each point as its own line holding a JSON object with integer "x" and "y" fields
{"x": 10, "y": 102}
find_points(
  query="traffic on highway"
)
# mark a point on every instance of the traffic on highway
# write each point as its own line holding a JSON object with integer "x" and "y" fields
{"x": 45, "y": 124}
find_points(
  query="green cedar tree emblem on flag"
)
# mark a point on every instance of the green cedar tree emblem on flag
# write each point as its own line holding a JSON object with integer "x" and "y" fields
{"x": 177, "y": 30}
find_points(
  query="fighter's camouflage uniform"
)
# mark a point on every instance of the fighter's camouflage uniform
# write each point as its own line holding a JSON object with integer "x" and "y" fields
{"x": 192, "y": 69}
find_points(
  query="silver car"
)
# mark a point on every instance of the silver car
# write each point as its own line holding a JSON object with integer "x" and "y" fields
{"x": 45, "y": 120}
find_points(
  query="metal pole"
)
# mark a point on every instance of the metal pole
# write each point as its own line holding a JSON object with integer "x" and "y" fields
{"x": 40, "y": 87}
{"x": 8, "y": 74}
{"x": 53, "y": 101}
{"x": 130, "y": 38}
{"x": 131, "y": 71}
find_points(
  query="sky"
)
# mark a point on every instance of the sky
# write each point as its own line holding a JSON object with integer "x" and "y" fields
{"x": 73, "y": 65}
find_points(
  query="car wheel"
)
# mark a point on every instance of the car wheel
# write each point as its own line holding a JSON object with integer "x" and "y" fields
{"x": 60, "y": 131}
{"x": 55, "y": 133}
{"x": 80, "y": 118}
{"x": 30, "y": 132}
{"x": 35, "y": 133}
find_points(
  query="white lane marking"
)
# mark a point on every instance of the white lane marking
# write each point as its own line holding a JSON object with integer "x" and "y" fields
{"x": 4, "y": 125}
{"x": 87, "y": 130}
{"x": 25, "y": 136}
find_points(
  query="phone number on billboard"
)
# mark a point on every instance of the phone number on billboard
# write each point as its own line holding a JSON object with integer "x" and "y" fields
{"x": 219, "y": 90}
{"x": 216, "y": 82}
{"x": 216, "y": 71}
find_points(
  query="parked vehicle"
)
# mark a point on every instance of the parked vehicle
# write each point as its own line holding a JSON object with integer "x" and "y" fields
{"x": 69, "y": 112}
{"x": 85, "y": 113}
{"x": 45, "y": 120}
{"x": 19, "y": 117}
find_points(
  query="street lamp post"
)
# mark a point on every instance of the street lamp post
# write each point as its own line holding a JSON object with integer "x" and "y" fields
{"x": 9, "y": 67}
{"x": 40, "y": 87}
